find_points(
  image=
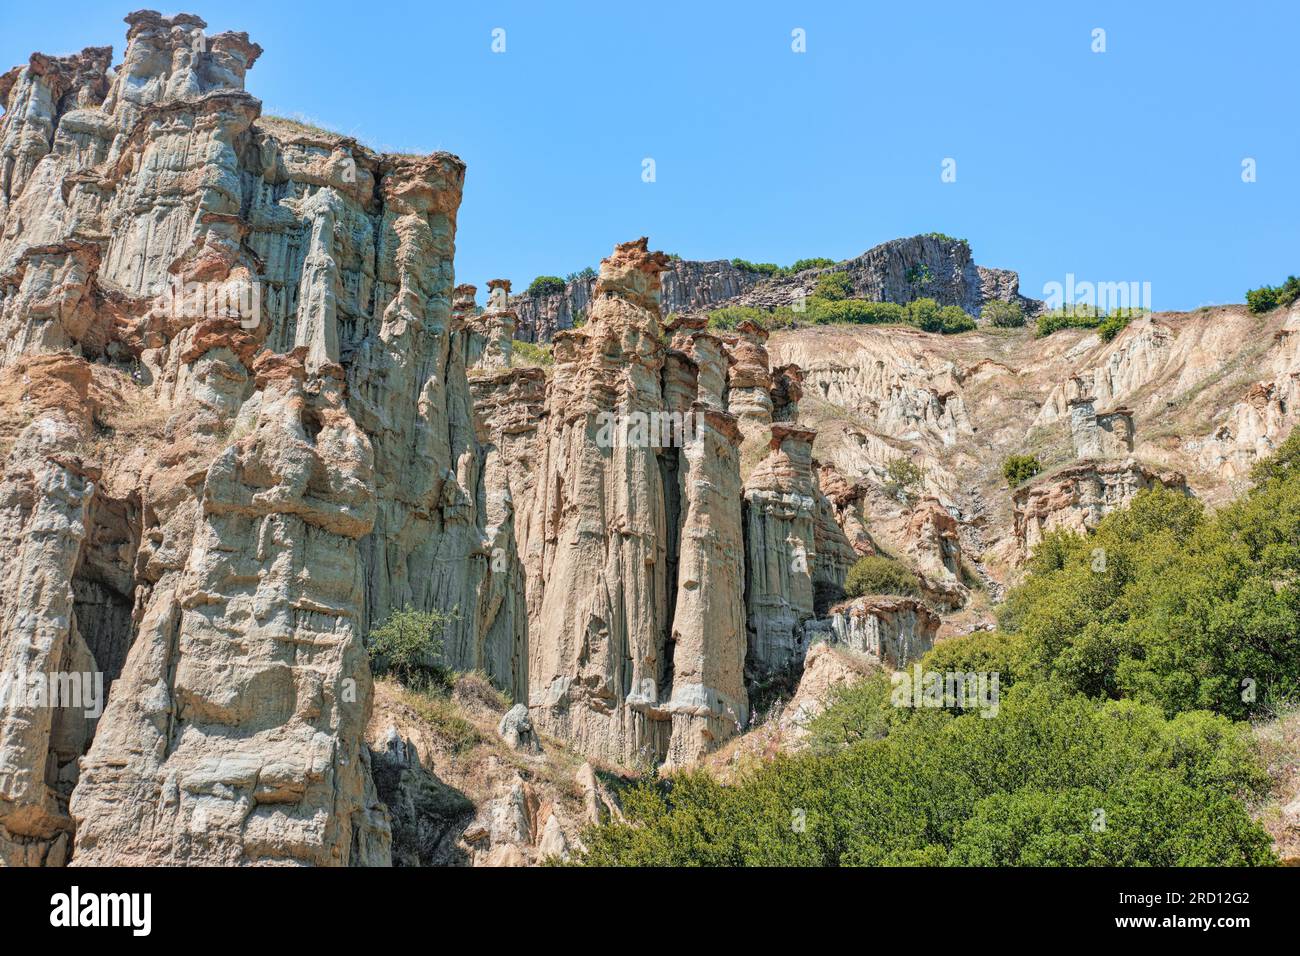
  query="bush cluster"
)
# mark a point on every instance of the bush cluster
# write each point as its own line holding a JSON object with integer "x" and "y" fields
{"x": 1269, "y": 297}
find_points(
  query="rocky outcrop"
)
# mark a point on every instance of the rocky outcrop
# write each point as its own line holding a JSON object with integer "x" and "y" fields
{"x": 280, "y": 298}
{"x": 900, "y": 270}
{"x": 509, "y": 407}
{"x": 635, "y": 563}
{"x": 488, "y": 334}
{"x": 894, "y": 631}
{"x": 827, "y": 668}
{"x": 1078, "y": 497}
{"x": 1100, "y": 435}
{"x": 934, "y": 542}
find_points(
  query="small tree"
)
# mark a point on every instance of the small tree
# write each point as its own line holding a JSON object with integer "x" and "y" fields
{"x": 903, "y": 478}
{"x": 1018, "y": 469}
{"x": 408, "y": 646}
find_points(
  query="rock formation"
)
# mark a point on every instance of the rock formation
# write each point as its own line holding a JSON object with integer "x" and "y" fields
{"x": 273, "y": 305}
{"x": 1100, "y": 435}
{"x": 489, "y": 334}
{"x": 780, "y": 520}
{"x": 900, "y": 270}
{"x": 1077, "y": 498}
{"x": 685, "y": 286}
{"x": 635, "y": 561}
{"x": 894, "y": 631}
{"x": 246, "y": 414}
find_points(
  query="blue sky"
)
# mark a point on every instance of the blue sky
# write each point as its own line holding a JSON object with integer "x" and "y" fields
{"x": 1117, "y": 166}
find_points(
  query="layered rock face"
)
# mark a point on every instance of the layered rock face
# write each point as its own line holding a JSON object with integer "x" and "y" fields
{"x": 1100, "y": 435}
{"x": 780, "y": 527}
{"x": 634, "y": 553}
{"x": 900, "y": 271}
{"x": 246, "y": 437}
{"x": 894, "y": 631}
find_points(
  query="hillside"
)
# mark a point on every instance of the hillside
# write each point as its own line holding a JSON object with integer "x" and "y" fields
{"x": 340, "y": 580}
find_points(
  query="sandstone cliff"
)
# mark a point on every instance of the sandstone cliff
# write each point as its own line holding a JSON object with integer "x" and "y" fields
{"x": 262, "y": 442}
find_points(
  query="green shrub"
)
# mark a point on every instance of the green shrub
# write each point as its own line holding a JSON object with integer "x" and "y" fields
{"x": 587, "y": 273}
{"x": 983, "y": 651}
{"x": 546, "y": 285}
{"x": 408, "y": 645}
{"x": 1167, "y": 604}
{"x": 944, "y": 237}
{"x": 925, "y": 314}
{"x": 766, "y": 268}
{"x": 1113, "y": 325}
{"x": 879, "y": 575}
{"x": 1266, "y": 298}
{"x": 919, "y": 276}
{"x": 1087, "y": 317}
{"x": 833, "y": 286}
{"x": 1074, "y": 317}
{"x": 857, "y": 312}
{"x": 1263, "y": 299}
{"x": 1003, "y": 315}
{"x": 800, "y": 265}
{"x": 1017, "y": 469}
{"x": 953, "y": 319}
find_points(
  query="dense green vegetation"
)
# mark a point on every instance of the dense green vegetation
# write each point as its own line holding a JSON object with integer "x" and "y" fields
{"x": 1127, "y": 664}
{"x": 546, "y": 285}
{"x": 834, "y": 286}
{"x": 1269, "y": 297}
{"x": 1017, "y": 469}
{"x": 944, "y": 237}
{"x": 879, "y": 575}
{"x": 532, "y": 353}
{"x": 1052, "y": 780}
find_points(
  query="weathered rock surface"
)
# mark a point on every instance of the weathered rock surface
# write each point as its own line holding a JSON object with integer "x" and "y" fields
{"x": 1202, "y": 394}
{"x": 780, "y": 522}
{"x": 895, "y": 631}
{"x": 903, "y": 270}
{"x": 635, "y": 558}
{"x": 317, "y": 467}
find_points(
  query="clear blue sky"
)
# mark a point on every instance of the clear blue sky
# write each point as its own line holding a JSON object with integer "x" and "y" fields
{"x": 1118, "y": 166}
